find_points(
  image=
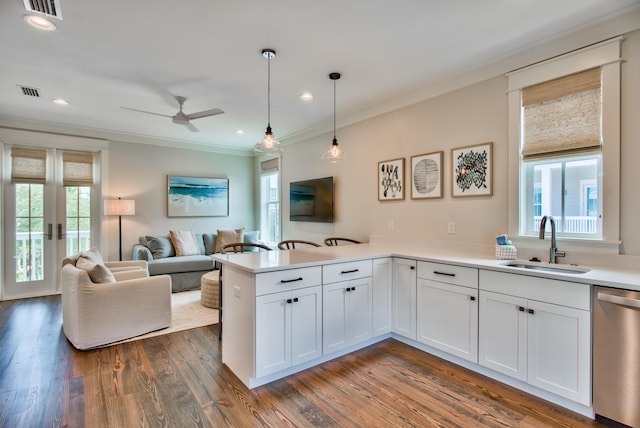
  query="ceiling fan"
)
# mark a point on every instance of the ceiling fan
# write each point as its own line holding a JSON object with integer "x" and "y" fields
{"x": 180, "y": 117}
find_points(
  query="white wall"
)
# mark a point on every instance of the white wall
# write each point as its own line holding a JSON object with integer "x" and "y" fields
{"x": 468, "y": 116}
{"x": 139, "y": 171}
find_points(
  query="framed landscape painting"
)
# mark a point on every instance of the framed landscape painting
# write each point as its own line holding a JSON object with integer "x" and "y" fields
{"x": 426, "y": 176}
{"x": 391, "y": 180}
{"x": 471, "y": 169}
{"x": 197, "y": 196}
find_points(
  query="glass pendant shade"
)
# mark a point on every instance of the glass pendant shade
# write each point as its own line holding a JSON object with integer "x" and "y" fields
{"x": 335, "y": 153}
{"x": 268, "y": 144}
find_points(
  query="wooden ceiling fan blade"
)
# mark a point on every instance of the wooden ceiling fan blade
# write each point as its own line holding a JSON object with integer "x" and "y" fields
{"x": 147, "y": 112}
{"x": 205, "y": 113}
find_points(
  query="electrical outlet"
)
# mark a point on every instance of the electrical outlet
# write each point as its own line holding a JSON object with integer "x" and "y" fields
{"x": 392, "y": 225}
{"x": 451, "y": 227}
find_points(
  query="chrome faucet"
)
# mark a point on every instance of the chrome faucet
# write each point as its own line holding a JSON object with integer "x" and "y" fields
{"x": 553, "y": 251}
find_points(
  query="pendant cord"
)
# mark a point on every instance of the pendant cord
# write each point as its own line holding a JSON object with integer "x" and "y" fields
{"x": 334, "y": 110}
{"x": 269, "y": 92}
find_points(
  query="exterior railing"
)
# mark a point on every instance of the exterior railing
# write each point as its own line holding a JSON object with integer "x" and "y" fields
{"x": 30, "y": 258}
{"x": 571, "y": 224}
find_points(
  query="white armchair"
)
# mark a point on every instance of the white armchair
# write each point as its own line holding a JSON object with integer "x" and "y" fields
{"x": 95, "y": 314}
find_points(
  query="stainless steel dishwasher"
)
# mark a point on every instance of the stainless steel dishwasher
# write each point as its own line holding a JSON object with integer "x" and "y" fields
{"x": 616, "y": 355}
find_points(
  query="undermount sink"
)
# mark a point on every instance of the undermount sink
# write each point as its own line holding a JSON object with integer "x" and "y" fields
{"x": 546, "y": 267}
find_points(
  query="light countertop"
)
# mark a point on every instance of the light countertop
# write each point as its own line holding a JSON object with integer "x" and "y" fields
{"x": 289, "y": 259}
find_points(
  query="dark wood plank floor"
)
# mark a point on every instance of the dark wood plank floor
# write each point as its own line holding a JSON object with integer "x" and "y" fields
{"x": 177, "y": 380}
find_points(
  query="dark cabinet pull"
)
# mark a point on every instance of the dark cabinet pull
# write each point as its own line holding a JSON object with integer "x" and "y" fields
{"x": 289, "y": 301}
{"x": 531, "y": 311}
{"x": 295, "y": 299}
{"x": 520, "y": 308}
{"x": 444, "y": 273}
{"x": 353, "y": 288}
{"x": 412, "y": 267}
{"x": 472, "y": 298}
{"x": 349, "y": 271}
{"x": 350, "y": 289}
{"x": 284, "y": 281}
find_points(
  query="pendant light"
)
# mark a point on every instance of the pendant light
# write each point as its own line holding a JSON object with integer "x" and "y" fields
{"x": 334, "y": 154}
{"x": 268, "y": 144}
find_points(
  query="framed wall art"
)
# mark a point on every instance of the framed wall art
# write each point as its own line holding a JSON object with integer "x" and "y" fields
{"x": 426, "y": 176}
{"x": 471, "y": 169}
{"x": 391, "y": 180}
{"x": 197, "y": 196}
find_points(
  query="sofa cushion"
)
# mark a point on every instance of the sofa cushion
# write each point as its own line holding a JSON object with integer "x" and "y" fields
{"x": 180, "y": 264}
{"x": 98, "y": 272}
{"x": 226, "y": 237}
{"x": 184, "y": 242}
{"x": 209, "y": 240}
{"x": 200, "y": 240}
{"x": 160, "y": 246}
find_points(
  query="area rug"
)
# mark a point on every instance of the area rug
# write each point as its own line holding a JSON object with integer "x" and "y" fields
{"x": 186, "y": 312}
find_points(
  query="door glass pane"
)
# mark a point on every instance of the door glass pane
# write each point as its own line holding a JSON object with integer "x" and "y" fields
{"x": 29, "y": 232}
{"x": 78, "y": 221}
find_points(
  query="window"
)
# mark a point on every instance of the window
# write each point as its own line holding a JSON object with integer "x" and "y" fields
{"x": 77, "y": 180}
{"x": 564, "y": 138}
{"x": 270, "y": 201}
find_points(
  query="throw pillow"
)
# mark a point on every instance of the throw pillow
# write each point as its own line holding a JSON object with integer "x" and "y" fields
{"x": 93, "y": 255}
{"x": 98, "y": 272}
{"x": 160, "y": 246}
{"x": 252, "y": 237}
{"x": 209, "y": 243}
{"x": 184, "y": 242}
{"x": 226, "y": 237}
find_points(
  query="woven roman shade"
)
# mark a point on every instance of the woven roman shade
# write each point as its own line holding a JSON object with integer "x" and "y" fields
{"x": 28, "y": 165}
{"x": 269, "y": 166}
{"x": 77, "y": 169}
{"x": 563, "y": 116}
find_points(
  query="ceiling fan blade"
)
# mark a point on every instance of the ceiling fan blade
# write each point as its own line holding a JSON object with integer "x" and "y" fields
{"x": 144, "y": 111}
{"x": 205, "y": 113}
{"x": 191, "y": 127}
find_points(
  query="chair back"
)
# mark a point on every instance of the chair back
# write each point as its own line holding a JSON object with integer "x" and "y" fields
{"x": 290, "y": 244}
{"x": 336, "y": 240}
{"x": 241, "y": 247}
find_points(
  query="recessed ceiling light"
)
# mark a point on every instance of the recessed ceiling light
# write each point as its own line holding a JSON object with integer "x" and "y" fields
{"x": 306, "y": 96}
{"x": 39, "y": 22}
{"x": 60, "y": 102}
{"x": 239, "y": 132}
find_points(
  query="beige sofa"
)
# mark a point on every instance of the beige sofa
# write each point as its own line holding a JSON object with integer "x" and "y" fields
{"x": 96, "y": 314}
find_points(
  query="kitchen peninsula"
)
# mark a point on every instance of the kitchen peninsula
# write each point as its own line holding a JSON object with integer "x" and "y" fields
{"x": 285, "y": 311}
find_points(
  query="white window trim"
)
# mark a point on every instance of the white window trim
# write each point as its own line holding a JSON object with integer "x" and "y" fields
{"x": 607, "y": 55}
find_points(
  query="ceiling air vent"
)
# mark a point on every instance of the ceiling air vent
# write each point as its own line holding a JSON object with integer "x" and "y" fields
{"x": 51, "y": 8}
{"x": 30, "y": 92}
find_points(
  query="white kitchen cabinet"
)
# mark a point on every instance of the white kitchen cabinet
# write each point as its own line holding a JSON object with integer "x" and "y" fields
{"x": 447, "y": 310}
{"x": 347, "y": 304}
{"x": 537, "y": 330}
{"x": 403, "y": 298}
{"x": 288, "y": 329}
{"x": 448, "y": 318}
{"x": 381, "y": 296}
{"x": 346, "y": 313}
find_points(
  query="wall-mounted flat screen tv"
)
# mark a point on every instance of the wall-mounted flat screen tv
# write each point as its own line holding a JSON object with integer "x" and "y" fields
{"x": 311, "y": 200}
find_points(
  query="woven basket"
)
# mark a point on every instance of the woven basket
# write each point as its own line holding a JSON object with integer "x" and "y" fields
{"x": 506, "y": 252}
{"x": 210, "y": 289}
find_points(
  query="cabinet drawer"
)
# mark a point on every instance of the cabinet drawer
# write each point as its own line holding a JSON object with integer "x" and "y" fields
{"x": 346, "y": 271}
{"x": 450, "y": 274}
{"x": 290, "y": 279}
{"x": 571, "y": 294}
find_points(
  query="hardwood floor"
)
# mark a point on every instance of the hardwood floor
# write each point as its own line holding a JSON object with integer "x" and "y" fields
{"x": 178, "y": 380}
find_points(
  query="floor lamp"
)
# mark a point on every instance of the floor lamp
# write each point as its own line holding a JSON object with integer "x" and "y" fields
{"x": 120, "y": 207}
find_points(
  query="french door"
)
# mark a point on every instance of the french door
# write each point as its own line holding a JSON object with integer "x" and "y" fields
{"x": 45, "y": 218}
